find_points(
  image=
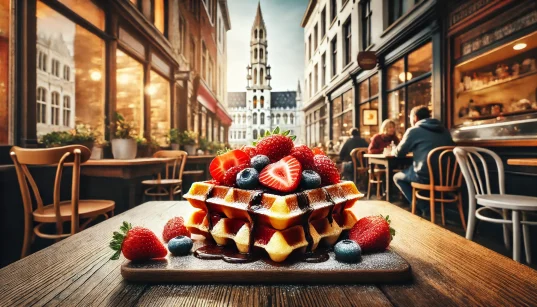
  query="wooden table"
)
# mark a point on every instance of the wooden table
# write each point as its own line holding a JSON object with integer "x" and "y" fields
{"x": 523, "y": 162}
{"x": 130, "y": 170}
{"x": 447, "y": 269}
{"x": 389, "y": 163}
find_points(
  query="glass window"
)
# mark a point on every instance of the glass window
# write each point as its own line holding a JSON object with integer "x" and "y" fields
{"x": 160, "y": 15}
{"x": 41, "y": 105}
{"x": 323, "y": 72}
{"x": 159, "y": 90}
{"x": 5, "y": 46}
{"x": 66, "y": 111}
{"x": 398, "y": 8}
{"x": 84, "y": 53}
{"x": 87, "y": 9}
{"x": 366, "y": 23}
{"x": 66, "y": 73}
{"x": 255, "y": 134}
{"x": 333, "y": 10}
{"x": 315, "y": 36}
{"x": 348, "y": 100}
{"x": 347, "y": 40}
{"x": 369, "y": 101}
{"x": 255, "y": 119}
{"x": 347, "y": 123}
{"x": 364, "y": 91}
{"x": 285, "y": 119}
{"x": 130, "y": 90}
{"x": 55, "y": 109}
{"x": 323, "y": 22}
{"x": 316, "y": 81}
{"x": 411, "y": 87}
{"x": 374, "y": 85}
{"x": 203, "y": 123}
{"x": 333, "y": 45}
{"x": 262, "y": 119}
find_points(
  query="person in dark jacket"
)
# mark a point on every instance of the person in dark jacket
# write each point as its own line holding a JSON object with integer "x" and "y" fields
{"x": 345, "y": 153}
{"x": 425, "y": 135}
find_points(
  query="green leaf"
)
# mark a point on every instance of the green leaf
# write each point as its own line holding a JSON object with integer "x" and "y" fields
{"x": 293, "y": 137}
{"x": 115, "y": 256}
{"x": 267, "y": 133}
{"x": 276, "y": 131}
{"x": 286, "y": 133}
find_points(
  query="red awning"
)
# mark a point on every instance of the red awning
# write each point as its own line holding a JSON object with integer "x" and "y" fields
{"x": 206, "y": 98}
{"x": 222, "y": 115}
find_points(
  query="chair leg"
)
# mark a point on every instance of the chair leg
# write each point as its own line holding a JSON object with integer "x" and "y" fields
{"x": 170, "y": 192}
{"x": 461, "y": 211}
{"x": 431, "y": 203}
{"x": 516, "y": 235}
{"x": 111, "y": 214}
{"x": 369, "y": 187}
{"x": 28, "y": 237}
{"x": 413, "y": 200}
{"x": 506, "y": 240}
{"x": 379, "y": 187}
{"x": 442, "y": 208}
{"x": 471, "y": 224}
{"x": 527, "y": 241}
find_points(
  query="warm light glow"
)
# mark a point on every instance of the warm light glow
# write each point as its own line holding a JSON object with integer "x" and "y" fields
{"x": 520, "y": 46}
{"x": 95, "y": 75}
{"x": 402, "y": 76}
{"x": 123, "y": 79}
{"x": 151, "y": 89}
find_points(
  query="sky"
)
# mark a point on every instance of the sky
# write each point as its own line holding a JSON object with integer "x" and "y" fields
{"x": 285, "y": 42}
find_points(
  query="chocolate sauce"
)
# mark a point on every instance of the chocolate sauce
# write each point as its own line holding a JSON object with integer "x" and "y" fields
{"x": 209, "y": 216}
{"x": 319, "y": 255}
{"x": 304, "y": 205}
{"x": 253, "y": 206}
{"x": 330, "y": 215}
{"x": 227, "y": 253}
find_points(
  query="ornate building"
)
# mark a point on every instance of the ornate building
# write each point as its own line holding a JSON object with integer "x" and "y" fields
{"x": 260, "y": 109}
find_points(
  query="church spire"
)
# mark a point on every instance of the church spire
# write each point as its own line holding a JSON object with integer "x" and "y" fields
{"x": 258, "y": 21}
{"x": 258, "y": 70}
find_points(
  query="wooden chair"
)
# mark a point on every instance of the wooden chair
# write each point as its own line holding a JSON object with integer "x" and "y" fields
{"x": 171, "y": 185}
{"x": 360, "y": 167}
{"x": 445, "y": 179}
{"x": 59, "y": 212}
{"x": 473, "y": 164}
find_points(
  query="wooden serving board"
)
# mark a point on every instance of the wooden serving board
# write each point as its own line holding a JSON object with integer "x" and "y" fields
{"x": 385, "y": 267}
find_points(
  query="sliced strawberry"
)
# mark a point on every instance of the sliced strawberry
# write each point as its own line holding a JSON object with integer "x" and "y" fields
{"x": 283, "y": 176}
{"x": 222, "y": 163}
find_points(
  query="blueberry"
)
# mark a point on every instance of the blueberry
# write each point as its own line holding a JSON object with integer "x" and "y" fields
{"x": 259, "y": 162}
{"x": 180, "y": 246}
{"x": 248, "y": 179}
{"x": 310, "y": 180}
{"x": 348, "y": 251}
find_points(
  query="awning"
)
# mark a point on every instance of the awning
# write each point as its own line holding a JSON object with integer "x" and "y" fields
{"x": 206, "y": 98}
{"x": 222, "y": 115}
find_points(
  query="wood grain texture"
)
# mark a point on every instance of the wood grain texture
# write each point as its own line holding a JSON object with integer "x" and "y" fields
{"x": 447, "y": 270}
{"x": 522, "y": 162}
{"x": 130, "y": 162}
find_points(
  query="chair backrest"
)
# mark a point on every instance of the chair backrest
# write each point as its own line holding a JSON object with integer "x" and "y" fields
{"x": 22, "y": 157}
{"x": 177, "y": 165}
{"x": 443, "y": 168}
{"x": 357, "y": 156}
{"x": 473, "y": 163}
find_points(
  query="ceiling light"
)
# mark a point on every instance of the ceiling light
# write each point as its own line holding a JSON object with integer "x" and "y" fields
{"x": 402, "y": 76}
{"x": 520, "y": 46}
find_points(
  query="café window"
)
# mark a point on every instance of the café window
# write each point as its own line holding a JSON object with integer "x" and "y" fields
{"x": 159, "y": 92}
{"x": 368, "y": 106}
{"x": 5, "y": 71}
{"x": 316, "y": 129}
{"x": 159, "y": 15}
{"x": 73, "y": 45}
{"x": 342, "y": 115}
{"x": 130, "y": 90}
{"x": 41, "y": 105}
{"x": 409, "y": 84}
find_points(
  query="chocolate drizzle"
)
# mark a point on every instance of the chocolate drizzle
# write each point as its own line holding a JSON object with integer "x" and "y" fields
{"x": 330, "y": 215}
{"x": 304, "y": 205}
{"x": 253, "y": 206}
{"x": 227, "y": 253}
{"x": 209, "y": 217}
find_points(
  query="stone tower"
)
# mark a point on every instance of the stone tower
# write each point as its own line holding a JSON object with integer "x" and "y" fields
{"x": 258, "y": 81}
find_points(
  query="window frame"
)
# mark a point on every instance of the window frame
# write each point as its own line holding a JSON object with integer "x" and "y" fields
{"x": 347, "y": 41}
{"x": 333, "y": 50}
{"x": 366, "y": 15}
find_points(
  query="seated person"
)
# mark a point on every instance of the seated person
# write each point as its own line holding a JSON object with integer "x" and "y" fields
{"x": 425, "y": 135}
{"x": 345, "y": 153}
{"x": 383, "y": 139}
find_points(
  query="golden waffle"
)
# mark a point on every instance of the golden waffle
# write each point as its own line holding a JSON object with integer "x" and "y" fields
{"x": 279, "y": 222}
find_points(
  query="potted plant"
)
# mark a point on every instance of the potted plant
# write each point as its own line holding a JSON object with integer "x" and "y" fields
{"x": 56, "y": 139}
{"x": 97, "y": 153}
{"x": 188, "y": 140}
{"x": 204, "y": 145}
{"x": 83, "y": 134}
{"x": 124, "y": 144}
{"x": 173, "y": 138}
{"x": 141, "y": 147}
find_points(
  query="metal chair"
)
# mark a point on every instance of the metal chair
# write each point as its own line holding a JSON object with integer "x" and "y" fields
{"x": 171, "y": 185}
{"x": 60, "y": 211}
{"x": 473, "y": 163}
{"x": 445, "y": 179}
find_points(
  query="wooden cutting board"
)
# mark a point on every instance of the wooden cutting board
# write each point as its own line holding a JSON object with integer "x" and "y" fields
{"x": 385, "y": 267}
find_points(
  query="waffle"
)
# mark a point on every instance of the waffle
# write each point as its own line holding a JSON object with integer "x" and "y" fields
{"x": 278, "y": 224}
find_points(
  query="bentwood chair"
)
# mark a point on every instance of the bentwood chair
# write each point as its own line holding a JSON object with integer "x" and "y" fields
{"x": 445, "y": 179}
{"x": 473, "y": 163}
{"x": 58, "y": 212}
{"x": 172, "y": 184}
{"x": 359, "y": 164}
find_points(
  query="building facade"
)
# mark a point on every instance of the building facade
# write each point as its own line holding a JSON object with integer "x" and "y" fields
{"x": 260, "y": 109}
{"x": 406, "y": 37}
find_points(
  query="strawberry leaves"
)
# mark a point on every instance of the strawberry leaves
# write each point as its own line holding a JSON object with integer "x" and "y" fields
{"x": 117, "y": 240}
{"x": 392, "y": 231}
{"x": 276, "y": 131}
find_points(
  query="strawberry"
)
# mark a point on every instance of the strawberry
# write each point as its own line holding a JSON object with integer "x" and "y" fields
{"x": 275, "y": 145}
{"x": 326, "y": 169}
{"x": 283, "y": 176}
{"x": 173, "y": 228}
{"x": 249, "y": 150}
{"x": 372, "y": 233}
{"x": 224, "y": 162}
{"x": 230, "y": 177}
{"x": 318, "y": 151}
{"x": 137, "y": 244}
{"x": 304, "y": 155}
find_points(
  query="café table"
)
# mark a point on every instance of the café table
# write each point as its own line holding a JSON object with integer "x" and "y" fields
{"x": 447, "y": 270}
{"x": 390, "y": 163}
{"x": 131, "y": 170}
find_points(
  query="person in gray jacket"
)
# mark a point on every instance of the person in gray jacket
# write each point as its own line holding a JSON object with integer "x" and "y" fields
{"x": 425, "y": 135}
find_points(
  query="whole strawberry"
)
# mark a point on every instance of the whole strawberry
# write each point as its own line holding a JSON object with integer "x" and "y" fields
{"x": 372, "y": 233}
{"x": 326, "y": 169}
{"x": 318, "y": 151}
{"x": 275, "y": 145}
{"x": 304, "y": 155}
{"x": 250, "y": 150}
{"x": 230, "y": 176}
{"x": 173, "y": 228}
{"x": 137, "y": 244}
